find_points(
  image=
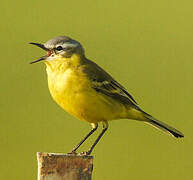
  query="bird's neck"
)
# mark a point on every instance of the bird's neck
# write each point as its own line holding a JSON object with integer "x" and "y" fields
{"x": 62, "y": 64}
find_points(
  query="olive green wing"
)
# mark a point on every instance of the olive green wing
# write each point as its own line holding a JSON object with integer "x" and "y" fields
{"x": 103, "y": 83}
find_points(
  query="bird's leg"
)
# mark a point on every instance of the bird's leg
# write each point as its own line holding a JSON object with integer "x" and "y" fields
{"x": 94, "y": 128}
{"x": 105, "y": 127}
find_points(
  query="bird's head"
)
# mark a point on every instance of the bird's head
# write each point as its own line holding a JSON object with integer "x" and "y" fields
{"x": 59, "y": 48}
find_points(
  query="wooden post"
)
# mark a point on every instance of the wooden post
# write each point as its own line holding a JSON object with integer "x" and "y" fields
{"x": 52, "y": 166}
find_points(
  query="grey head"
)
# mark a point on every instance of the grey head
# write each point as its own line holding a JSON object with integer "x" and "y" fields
{"x": 63, "y": 41}
{"x": 62, "y": 46}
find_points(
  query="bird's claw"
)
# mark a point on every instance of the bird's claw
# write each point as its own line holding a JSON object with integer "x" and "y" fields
{"x": 72, "y": 153}
{"x": 84, "y": 153}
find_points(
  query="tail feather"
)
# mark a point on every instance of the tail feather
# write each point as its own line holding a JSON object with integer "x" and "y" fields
{"x": 163, "y": 126}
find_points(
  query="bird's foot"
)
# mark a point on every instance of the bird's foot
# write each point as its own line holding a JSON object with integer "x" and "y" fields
{"x": 72, "y": 153}
{"x": 86, "y": 153}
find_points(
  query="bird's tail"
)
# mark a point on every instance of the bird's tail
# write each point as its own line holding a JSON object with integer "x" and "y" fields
{"x": 163, "y": 126}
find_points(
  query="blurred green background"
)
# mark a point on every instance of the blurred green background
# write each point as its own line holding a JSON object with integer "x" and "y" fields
{"x": 145, "y": 45}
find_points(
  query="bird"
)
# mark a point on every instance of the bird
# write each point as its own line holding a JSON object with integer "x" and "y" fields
{"x": 86, "y": 91}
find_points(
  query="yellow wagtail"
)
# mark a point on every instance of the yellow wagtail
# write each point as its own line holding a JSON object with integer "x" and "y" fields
{"x": 86, "y": 91}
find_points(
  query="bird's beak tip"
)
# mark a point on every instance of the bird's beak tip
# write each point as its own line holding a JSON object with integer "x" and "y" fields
{"x": 39, "y": 45}
{"x": 40, "y": 59}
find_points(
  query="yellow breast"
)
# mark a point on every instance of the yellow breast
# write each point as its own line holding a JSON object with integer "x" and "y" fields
{"x": 65, "y": 87}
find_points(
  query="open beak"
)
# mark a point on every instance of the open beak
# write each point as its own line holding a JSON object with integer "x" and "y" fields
{"x": 39, "y": 45}
{"x": 42, "y": 47}
{"x": 40, "y": 59}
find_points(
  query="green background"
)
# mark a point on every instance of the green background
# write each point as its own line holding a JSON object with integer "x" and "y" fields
{"x": 146, "y": 45}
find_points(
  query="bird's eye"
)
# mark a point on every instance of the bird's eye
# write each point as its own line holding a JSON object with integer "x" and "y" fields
{"x": 59, "y": 48}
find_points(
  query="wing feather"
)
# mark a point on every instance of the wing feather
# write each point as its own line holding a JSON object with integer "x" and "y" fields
{"x": 104, "y": 83}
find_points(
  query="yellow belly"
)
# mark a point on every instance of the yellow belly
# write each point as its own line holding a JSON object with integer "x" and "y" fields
{"x": 73, "y": 92}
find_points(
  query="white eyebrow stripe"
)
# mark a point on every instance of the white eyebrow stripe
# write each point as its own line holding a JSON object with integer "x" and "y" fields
{"x": 69, "y": 45}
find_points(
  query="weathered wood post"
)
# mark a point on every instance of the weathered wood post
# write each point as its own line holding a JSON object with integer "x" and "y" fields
{"x": 54, "y": 166}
